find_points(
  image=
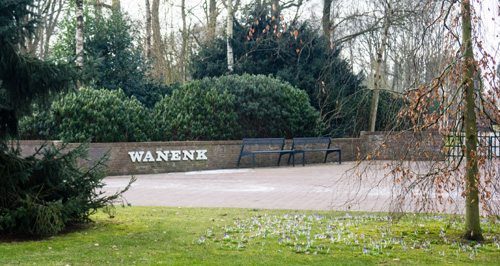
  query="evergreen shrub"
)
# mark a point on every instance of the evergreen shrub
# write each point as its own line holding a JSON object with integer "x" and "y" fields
{"x": 100, "y": 115}
{"x": 223, "y": 108}
{"x": 42, "y": 193}
{"x": 196, "y": 112}
{"x": 268, "y": 107}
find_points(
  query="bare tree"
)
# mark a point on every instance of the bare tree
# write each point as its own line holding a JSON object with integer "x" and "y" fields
{"x": 446, "y": 163}
{"x": 472, "y": 220}
{"x": 212, "y": 20}
{"x": 148, "y": 30}
{"x": 158, "y": 46}
{"x": 98, "y": 5}
{"x": 276, "y": 10}
{"x": 48, "y": 13}
{"x": 79, "y": 33}
{"x": 116, "y": 5}
{"x": 185, "y": 36}
{"x": 231, "y": 10}
{"x": 377, "y": 78}
{"x": 325, "y": 19}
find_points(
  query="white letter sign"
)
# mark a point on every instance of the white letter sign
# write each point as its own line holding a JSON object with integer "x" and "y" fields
{"x": 165, "y": 156}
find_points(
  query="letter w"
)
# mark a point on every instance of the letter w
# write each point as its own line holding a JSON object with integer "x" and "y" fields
{"x": 135, "y": 156}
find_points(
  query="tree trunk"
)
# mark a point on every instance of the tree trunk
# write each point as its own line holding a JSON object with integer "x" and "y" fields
{"x": 377, "y": 79}
{"x": 325, "y": 19}
{"x": 158, "y": 49}
{"x": 116, "y": 5}
{"x": 472, "y": 222}
{"x": 98, "y": 10}
{"x": 276, "y": 10}
{"x": 47, "y": 13}
{"x": 184, "y": 42}
{"x": 51, "y": 24}
{"x": 148, "y": 30}
{"x": 212, "y": 20}
{"x": 79, "y": 33}
{"x": 229, "y": 33}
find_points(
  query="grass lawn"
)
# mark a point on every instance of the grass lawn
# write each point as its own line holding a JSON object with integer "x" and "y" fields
{"x": 221, "y": 236}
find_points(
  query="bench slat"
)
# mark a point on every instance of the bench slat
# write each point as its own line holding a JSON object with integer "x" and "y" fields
{"x": 317, "y": 140}
{"x": 292, "y": 151}
{"x": 265, "y": 141}
{"x": 312, "y": 140}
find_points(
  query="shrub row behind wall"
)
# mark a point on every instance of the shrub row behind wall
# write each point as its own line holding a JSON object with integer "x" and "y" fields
{"x": 230, "y": 107}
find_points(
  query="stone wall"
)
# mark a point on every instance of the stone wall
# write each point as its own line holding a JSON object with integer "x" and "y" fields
{"x": 177, "y": 156}
{"x": 403, "y": 145}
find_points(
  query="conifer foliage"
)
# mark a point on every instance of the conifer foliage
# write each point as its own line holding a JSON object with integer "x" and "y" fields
{"x": 23, "y": 78}
{"x": 42, "y": 193}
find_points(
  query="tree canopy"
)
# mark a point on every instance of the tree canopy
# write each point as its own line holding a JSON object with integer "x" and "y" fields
{"x": 297, "y": 53}
{"x": 113, "y": 58}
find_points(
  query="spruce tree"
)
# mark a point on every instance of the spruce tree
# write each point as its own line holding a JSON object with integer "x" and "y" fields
{"x": 42, "y": 193}
{"x": 24, "y": 79}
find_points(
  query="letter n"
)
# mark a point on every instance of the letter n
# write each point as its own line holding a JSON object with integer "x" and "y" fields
{"x": 162, "y": 156}
{"x": 188, "y": 155}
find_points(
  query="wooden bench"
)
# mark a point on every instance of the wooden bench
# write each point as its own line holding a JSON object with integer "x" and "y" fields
{"x": 277, "y": 142}
{"x": 307, "y": 141}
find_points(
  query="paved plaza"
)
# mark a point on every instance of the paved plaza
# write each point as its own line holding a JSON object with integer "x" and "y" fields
{"x": 330, "y": 186}
{"x": 311, "y": 187}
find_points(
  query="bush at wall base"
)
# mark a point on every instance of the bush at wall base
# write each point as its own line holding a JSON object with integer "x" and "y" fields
{"x": 42, "y": 193}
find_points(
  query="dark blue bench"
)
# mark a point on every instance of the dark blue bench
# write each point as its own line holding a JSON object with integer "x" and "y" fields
{"x": 277, "y": 142}
{"x": 307, "y": 141}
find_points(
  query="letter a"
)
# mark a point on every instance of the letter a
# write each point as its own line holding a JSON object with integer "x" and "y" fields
{"x": 148, "y": 157}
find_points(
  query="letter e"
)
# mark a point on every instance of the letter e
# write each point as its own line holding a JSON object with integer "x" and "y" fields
{"x": 176, "y": 156}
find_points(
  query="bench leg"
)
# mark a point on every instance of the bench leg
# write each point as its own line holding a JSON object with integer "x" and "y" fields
{"x": 293, "y": 155}
{"x": 340, "y": 156}
{"x": 289, "y": 156}
{"x": 238, "y": 164}
{"x": 303, "y": 158}
{"x": 253, "y": 159}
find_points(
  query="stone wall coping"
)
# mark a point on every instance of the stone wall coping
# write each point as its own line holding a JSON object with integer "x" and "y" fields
{"x": 170, "y": 143}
